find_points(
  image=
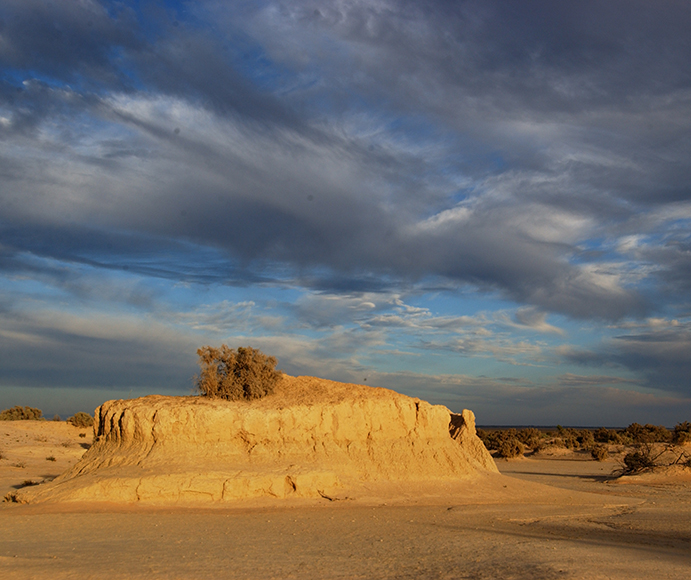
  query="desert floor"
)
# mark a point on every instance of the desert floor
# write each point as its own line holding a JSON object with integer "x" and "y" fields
{"x": 584, "y": 525}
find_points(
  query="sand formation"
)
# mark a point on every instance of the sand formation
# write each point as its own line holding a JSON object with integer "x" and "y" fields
{"x": 311, "y": 438}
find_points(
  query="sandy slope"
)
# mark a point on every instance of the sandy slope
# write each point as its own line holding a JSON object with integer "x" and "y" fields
{"x": 584, "y": 527}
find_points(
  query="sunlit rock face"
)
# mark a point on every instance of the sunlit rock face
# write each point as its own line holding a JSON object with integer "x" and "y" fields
{"x": 311, "y": 438}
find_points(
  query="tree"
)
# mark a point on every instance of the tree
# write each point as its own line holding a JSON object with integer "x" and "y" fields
{"x": 245, "y": 373}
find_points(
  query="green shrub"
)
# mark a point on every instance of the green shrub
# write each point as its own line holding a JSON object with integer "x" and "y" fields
{"x": 21, "y": 414}
{"x": 81, "y": 420}
{"x": 511, "y": 448}
{"x": 245, "y": 373}
{"x": 599, "y": 452}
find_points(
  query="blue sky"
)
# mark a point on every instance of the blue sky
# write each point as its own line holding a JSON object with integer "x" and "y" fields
{"x": 482, "y": 204}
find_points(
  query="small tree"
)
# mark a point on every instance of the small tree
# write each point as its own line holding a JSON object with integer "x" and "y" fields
{"x": 245, "y": 373}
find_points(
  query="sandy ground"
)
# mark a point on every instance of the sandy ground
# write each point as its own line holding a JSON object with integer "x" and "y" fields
{"x": 583, "y": 526}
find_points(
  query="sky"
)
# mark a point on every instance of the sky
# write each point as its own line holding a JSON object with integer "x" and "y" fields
{"x": 484, "y": 204}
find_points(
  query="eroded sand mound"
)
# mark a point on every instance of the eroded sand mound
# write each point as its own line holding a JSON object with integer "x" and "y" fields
{"x": 311, "y": 438}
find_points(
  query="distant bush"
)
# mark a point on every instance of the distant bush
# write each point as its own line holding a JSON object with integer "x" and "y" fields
{"x": 21, "y": 414}
{"x": 56, "y": 418}
{"x": 647, "y": 433}
{"x": 81, "y": 420}
{"x": 511, "y": 448}
{"x": 245, "y": 373}
{"x": 682, "y": 433}
{"x": 599, "y": 452}
{"x": 531, "y": 438}
{"x": 603, "y": 435}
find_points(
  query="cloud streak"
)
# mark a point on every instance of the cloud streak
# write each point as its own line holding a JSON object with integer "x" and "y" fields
{"x": 352, "y": 155}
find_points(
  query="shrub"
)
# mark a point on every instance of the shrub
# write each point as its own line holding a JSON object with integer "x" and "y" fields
{"x": 682, "y": 433}
{"x": 648, "y": 433}
{"x": 511, "y": 448}
{"x": 603, "y": 435}
{"x": 21, "y": 414}
{"x": 642, "y": 459}
{"x": 599, "y": 452}
{"x": 530, "y": 437}
{"x": 56, "y": 418}
{"x": 585, "y": 439}
{"x": 50, "y": 458}
{"x": 245, "y": 373}
{"x": 81, "y": 420}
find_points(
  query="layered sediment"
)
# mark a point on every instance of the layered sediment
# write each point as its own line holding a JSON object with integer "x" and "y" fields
{"x": 311, "y": 438}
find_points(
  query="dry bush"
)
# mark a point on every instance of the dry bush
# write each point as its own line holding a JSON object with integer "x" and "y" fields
{"x": 531, "y": 438}
{"x": 647, "y": 433}
{"x": 81, "y": 419}
{"x": 603, "y": 435}
{"x": 21, "y": 414}
{"x": 682, "y": 433}
{"x": 51, "y": 458}
{"x": 56, "y": 418}
{"x": 511, "y": 448}
{"x": 599, "y": 452}
{"x": 245, "y": 373}
{"x": 643, "y": 458}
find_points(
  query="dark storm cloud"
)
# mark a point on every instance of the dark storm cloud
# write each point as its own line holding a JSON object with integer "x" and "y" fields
{"x": 70, "y": 41}
{"x": 331, "y": 142}
{"x": 661, "y": 353}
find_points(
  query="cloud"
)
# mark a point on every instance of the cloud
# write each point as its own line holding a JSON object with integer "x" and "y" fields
{"x": 659, "y": 350}
{"x": 362, "y": 156}
{"x": 342, "y": 196}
